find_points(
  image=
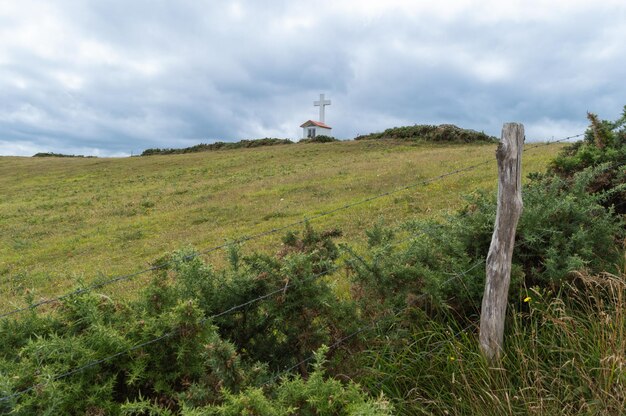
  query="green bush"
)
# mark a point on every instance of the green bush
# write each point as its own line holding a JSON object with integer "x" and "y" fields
{"x": 316, "y": 395}
{"x": 563, "y": 228}
{"x": 51, "y": 154}
{"x": 427, "y": 133}
{"x": 282, "y": 330}
{"x": 604, "y": 143}
{"x": 193, "y": 334}
{"x": 203, "y": 147}
{"x": 319, "y": 139}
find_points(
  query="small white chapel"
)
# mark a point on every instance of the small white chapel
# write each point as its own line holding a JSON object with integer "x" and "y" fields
{"x": 311, "y": 128}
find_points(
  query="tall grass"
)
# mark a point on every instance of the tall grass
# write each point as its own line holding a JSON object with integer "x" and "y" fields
{"x": 565, "y": 354}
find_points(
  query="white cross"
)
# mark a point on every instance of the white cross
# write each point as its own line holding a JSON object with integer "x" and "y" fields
{"x": 321, "y": 104}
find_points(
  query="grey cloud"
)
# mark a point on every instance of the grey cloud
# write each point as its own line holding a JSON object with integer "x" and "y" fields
{"x": 126, "y": 76}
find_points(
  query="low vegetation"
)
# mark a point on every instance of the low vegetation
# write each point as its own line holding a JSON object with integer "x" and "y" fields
{"x": 50, "y": 154}
{"x": 419, "y": 133}
{"x": 319, "y": 139}
{"x": 428, "y": 133}
{"x": 324, "y": 326}
{"x": 203, "y": 147}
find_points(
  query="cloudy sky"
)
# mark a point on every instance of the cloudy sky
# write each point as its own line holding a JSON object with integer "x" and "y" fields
{"x": 115, "y": 77}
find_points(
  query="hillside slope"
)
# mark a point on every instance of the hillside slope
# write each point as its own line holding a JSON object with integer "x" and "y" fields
{"x": 67, "y": 220}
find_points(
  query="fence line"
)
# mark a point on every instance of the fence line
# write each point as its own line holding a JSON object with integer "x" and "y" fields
{"x": 549, "y": 142}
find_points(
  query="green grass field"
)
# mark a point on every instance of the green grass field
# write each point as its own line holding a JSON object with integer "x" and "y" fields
{"x": 71, "y": 220}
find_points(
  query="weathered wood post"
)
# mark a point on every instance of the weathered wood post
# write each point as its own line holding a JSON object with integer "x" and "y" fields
{"x": 495, "y": 297}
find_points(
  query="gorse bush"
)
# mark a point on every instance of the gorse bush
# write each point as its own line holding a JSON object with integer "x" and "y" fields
{"x": 563, "y": 228}
{"x": 284, "y": 331}
{"x": 319, "y": 139}
{"x": 194, "y": 338}
{"x": 315, "y": 396}
{"x": 605, "y": 143}
{"x": 242, "y": 144}
{"x": 51, "y": 154}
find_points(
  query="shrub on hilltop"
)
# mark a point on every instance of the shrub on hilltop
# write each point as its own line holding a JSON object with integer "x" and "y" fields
{"x": 51, "y": 154}
{"x": 319, "y": 139}
{"x": 429, "y": 133}
{"x": 203, "y": 147}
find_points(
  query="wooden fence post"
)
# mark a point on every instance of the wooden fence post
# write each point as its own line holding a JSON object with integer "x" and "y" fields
{"x": 495, "y": 297}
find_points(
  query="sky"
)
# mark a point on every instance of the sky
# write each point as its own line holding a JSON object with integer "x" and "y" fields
{"x": 115, "y": 77}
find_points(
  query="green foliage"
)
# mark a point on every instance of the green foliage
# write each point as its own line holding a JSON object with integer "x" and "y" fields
{"x": 317, "y": 395}
{"x": 563, "y": 228}
{"x": 194, "y": 338}
{"x": 605, "y": 143}
{"x": 51, "y": 154}
{"x": 203, "y": 147}
{"x": 319, "y": 139}
{"x": 428, "y": 133}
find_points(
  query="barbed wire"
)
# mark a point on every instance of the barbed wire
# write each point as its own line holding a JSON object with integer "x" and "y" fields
{"x": 549, "y": 142}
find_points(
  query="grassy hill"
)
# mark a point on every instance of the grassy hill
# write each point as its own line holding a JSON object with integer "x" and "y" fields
{"x": 394, "y": 310}
{"x": 69, "y": 220}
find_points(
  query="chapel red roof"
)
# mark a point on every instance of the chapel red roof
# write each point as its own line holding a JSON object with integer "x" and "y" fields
{"x": 315, "y": 123}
